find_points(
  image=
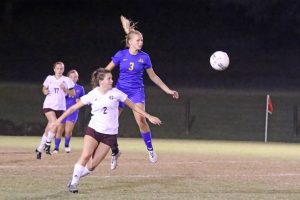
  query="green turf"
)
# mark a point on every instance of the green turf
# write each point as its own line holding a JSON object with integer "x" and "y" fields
{"x": 187, "y": 169}
{"x": 260, "y": 149}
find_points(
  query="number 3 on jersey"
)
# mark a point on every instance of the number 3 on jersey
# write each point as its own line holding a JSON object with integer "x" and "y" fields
{"x": 131, "y": 66}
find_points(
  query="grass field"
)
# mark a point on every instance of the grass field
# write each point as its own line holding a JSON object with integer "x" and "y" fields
{"x": 187, "y": 169}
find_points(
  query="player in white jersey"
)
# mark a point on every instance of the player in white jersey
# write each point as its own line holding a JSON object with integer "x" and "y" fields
{"x": 68, "y": 123}
{"x": 102, "y": 130}
{"x": 55, "y": 88}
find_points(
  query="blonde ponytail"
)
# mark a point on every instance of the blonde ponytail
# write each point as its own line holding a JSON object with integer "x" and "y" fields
{"x": 130, "y": 29}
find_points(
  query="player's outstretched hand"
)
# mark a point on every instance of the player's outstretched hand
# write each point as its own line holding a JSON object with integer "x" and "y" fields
{"x": 155, "y": 120}
{"x": 174, "y": 94}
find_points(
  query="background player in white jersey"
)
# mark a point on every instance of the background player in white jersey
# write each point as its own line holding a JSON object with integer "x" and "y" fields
{"x": 69, "y": 122}
{"x": 55, "y": 88}
{"x": 102, "y": 130}
{"x": 132, "y": 63}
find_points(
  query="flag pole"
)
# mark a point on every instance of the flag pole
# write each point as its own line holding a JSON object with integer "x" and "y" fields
{"x": 267, "y": 115}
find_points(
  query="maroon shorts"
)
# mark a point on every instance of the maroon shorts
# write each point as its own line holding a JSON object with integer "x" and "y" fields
{"x": 58, "y": 113}
{"x": 109, "y": 140}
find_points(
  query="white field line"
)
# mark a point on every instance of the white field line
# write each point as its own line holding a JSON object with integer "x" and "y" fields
{"x": 160, "y": 163}
{"x": 206, "y": 175}
{"x": 153, "y": 176}
{"x": 178, "y": 176}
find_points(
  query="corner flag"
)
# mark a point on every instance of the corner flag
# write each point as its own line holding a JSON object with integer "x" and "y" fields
{"x": 270, "y": 105}
{"x": 269, "y": 110}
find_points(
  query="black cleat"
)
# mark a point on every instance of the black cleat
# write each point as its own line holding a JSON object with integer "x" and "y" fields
{"x": 47, "y": 148}
{"x": 38, "y": 154}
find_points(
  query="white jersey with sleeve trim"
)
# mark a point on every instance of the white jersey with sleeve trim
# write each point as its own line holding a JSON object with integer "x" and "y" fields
{"x": 105, "y": 112}
{"x": 55, "y": 99}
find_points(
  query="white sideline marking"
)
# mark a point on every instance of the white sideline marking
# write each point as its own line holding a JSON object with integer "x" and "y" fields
{"x": 205, "y": 175}
{"x": 160, "y": 163}
{"x": 152, "y": 176}
{"x": 187, "y": 176}
{"x": 33, "y": 166}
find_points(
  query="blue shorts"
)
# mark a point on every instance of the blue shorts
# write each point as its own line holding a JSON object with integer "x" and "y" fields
{"x": 71, "y": 118}
{"x": 136, "y": 96}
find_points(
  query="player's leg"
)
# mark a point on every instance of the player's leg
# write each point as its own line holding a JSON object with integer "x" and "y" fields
{"x": 44, "y": 144}
{"x": 106, "y": 142}
{"x": 69, "y": 127}
{"x": 145, "y": 132}
{"x": 51, "y": 117}
{"x": 89, "y": 146}
{"x": 115, "y": 151}
{"x": 115, "y": 154}
{"x": 41, "y": 146}
{"x": 98, "y": 156}
{"x": 58, "y": 135}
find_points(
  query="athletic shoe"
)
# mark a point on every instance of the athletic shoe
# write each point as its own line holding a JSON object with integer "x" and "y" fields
{"x": 38, "y": 154}
{"x": 67, "y": 149}
{"x": 73, "y": 188}
{"x": 152, "y": 156}
{"x": 114, "y": 161}
{"x": 69, "y": 183}
{"x": 47, "y": 148}
{"x": 55, "y": 151}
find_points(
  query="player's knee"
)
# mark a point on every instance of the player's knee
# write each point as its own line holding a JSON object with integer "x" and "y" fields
{"x": 143, "y": 127}
{"x": 141, "y": 121}
{"x": 68, "y": 134}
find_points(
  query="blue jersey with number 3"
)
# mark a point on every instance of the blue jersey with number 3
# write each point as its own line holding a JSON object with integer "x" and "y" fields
{"x": 132, "y": 68}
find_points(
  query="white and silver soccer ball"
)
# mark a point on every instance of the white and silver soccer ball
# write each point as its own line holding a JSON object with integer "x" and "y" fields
{"x": 219, "y": 60}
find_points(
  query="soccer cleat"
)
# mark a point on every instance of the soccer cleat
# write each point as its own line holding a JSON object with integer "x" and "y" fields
{"x": 55, "y": 151}
{"x": 114, "y": 161}
{"x": 69, "y": 183}
{"x": 73, "y": 188}
{"x": 38, "y": 154}
{"x": 47, "y": 148}
{"x": 152, "y": 156}
{"x": 67, "y": 149}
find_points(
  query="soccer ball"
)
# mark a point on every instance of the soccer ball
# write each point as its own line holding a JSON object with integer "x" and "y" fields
{"x": 219, "y": 60}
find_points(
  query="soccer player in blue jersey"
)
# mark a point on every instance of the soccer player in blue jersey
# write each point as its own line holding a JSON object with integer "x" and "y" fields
{"x": 132, "y": 63}
{"x": 69, "y": 122}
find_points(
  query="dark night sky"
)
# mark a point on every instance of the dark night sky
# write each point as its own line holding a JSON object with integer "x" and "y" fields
{"x": 262, "y": 38}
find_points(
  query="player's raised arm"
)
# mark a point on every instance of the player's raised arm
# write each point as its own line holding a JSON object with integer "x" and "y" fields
{"x": 110, "y": 66}
{"x": 152, "y": 75}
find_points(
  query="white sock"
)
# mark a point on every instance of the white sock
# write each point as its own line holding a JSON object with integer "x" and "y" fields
{"x": 50, "y": 136}
{"x": 42, "y": 143}
{"x": 85, "y": 172}
{"x": 78, "y": 169}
